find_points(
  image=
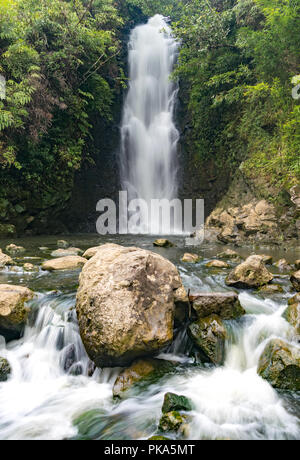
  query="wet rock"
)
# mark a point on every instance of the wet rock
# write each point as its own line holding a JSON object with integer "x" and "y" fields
{"x": 209, "y": 334}
{"x": 297, "y": 264}
{"x": 14, "y": 249}
{"x": 13, "y": 310}
{"x": 173, "y": 422}
{"x": 174, "y": 402}
{"x": 66, "y": 252}
{"x": 64, "y": 263}
{"x": 182, "y": 306}
{"x": 292, "y": 313}
{"x": 76, "y": 370}
{"x": 279, "y": 364}
{"x": 224, "y": 304}
{"x": 268, "y": 260}
{"x": 217, "y": 264}
{"x": 229, "y": 254}
{"x": 5, "y": 370}
{"x": 68, "y": 357}
{"x": 283, "y": 265}
{"x": 126, "y": 304}
{"x": 250, "y": 274}
{"x": 139, "y": 371}
{"x": 30, "y": 268}
{"x": 5, "y": 260}
{"x": 62, "y": 244}
{"x": 295, "y": 280}
{"x": 89, "y": 253}
{"x": 190, "y": 258}
{"x": 91, "y": 369}
{"x": 162, "y": 243}
{"x": 271, "y": 289}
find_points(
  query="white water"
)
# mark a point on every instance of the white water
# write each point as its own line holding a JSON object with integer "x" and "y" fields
{"x": 42, "y": 399}
{"x": 148, "y": 134}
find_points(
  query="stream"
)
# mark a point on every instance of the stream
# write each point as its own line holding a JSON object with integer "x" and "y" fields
{"x": 46, "y": 399}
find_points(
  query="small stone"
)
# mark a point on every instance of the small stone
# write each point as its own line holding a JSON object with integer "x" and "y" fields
{"x": 217, "y": 264}
{"x": 30, "y": 268}
{"x": 271, "y": 289}
{"x": 64, "y": 263}
{"x": 14, "y": 249}
{"x": 190, "y": 258}
{"x": 66, "y": 252}
{"x": 62, "y": 244}
{"x": 283, "y": 265}
{"x": 229, "y": 254}
{"x": 5, "y": 370}
{"x": 162, "y": 243}
{"x": 5, "y": 260}
{"x": 174, "y": 402}
{"x": 295, "y": 280}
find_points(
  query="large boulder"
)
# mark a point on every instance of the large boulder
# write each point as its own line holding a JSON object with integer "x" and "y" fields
{"x": 126, "y": 304}
{"x": 209, "y": 334}
{"x": 139, "y": 371}
{"x": 280, "y": 365}
{"x": 224, "y": 304}
{"x": 295, "y": 280}
{"x": 5, "y": 369}
{"x": 249, "y": 274}
{"x": 5, "y": 260}
{"x": 13, "y": 310}
{"x": 292, "y": 313}
{"x": 64, "y": 263}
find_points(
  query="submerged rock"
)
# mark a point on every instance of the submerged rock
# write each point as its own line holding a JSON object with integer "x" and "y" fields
{"x": 14, "y": 249}
{"x": 5, "y": 370}
{"x": 217, "y": 264}
{"x": 190, "y": 258}
{"x": 30, "y": 268}
{"x": 162, "y": 243}
{"x": 283, "y": 265}
{"x": 66, "y": 252}
{"x": 229, "y": 254}
{"x": 292, "y": 313}
{"x": 279, "y": 364}
{"x": 250, "y": 274}
{"x": 62, "y": 244}
{"x": 224, "y": 304}
{"x": 271, "y": 289}
{"x": 209, "y": 334}
{"x": 139, "y": 371}
{"x": 173, "y": 421}
{"x": 5, "y": 260}
{"x": 126, "y": 304}
{"x": 174, "y": 402}
{"x": 13, "y": 310}
{"x": 295, "y": 280}
{"x": 64, "y": 263}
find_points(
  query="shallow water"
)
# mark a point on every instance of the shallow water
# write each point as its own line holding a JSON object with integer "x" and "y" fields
{"x": 45, "y": 399}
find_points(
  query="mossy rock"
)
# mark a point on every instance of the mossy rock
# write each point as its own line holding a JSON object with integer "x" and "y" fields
{"x": 162, "y": 243}
{"x": 220, "y": 264}
{"x": 5, "y": 369}
{"x": 292, "y": 313}
{"x": 250, "y": 274}
{"x": 190, "y": 258}
{"x": 271, "y": 289}
{"x": 90, "y": 424}
{"x": 279, "y": 364}
{"x": 172, "y": 422}
{"x": 209, "y": 334}
{"x": 174, "y": 402}
{"x": 7, "y": 230}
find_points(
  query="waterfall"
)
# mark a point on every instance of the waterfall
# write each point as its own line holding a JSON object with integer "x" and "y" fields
{"x": 149, "y": 137}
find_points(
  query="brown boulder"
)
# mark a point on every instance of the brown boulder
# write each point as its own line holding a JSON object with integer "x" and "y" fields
{"x": 250, "y": 274}
{"x": 13, "y": 309}
{"x": 224, "y": 304}
{"x": 64, "y": 263}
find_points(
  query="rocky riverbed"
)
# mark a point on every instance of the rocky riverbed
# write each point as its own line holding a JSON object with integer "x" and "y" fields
{"x": 204, "y": 341}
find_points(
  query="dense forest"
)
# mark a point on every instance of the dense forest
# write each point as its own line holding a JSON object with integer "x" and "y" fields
{"x": 65, "y": 67}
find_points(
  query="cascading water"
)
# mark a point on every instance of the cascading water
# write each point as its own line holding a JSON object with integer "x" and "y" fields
{"x": 148, "y": 135}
